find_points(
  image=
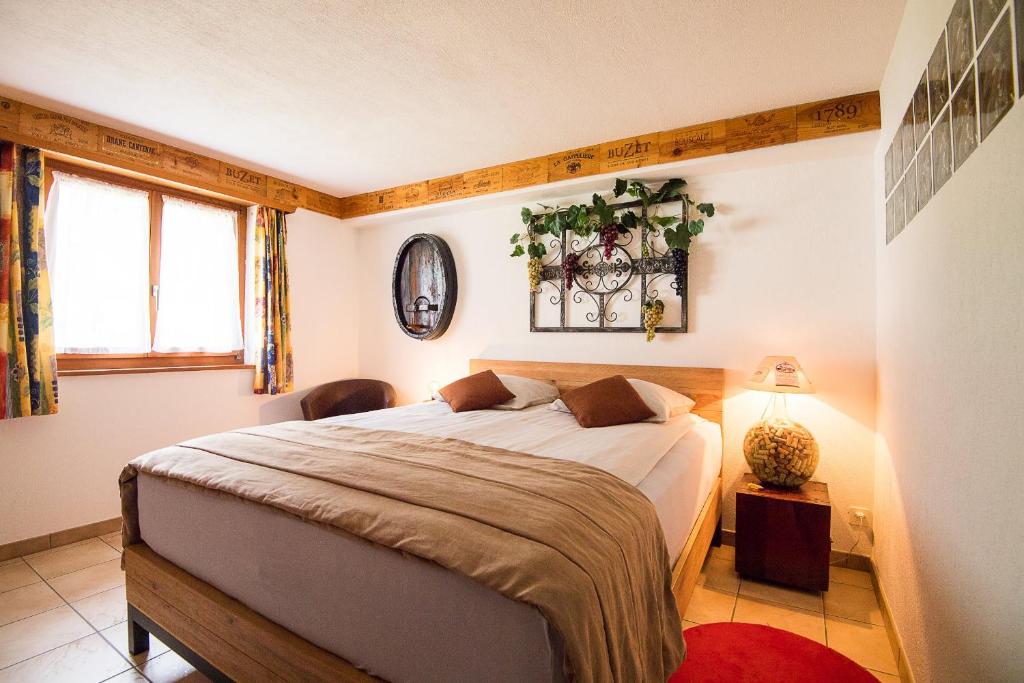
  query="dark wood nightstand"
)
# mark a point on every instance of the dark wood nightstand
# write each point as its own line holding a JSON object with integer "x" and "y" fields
{"x": 783, "y": 535}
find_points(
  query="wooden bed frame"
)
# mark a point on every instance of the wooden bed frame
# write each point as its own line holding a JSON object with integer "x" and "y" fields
{"x": 226, "y": 640}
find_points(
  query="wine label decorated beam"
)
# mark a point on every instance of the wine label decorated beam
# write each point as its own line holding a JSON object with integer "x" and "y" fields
{"x": 810, "y": 121}
{"x": 56, "y": 132}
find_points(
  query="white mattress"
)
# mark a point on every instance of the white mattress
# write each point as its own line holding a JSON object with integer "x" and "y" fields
{"x": 397, "y": 616}
{"x": 680, "y": 482}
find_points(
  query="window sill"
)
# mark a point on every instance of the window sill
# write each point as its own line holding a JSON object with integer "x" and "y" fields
{"x": 140, "y": 371}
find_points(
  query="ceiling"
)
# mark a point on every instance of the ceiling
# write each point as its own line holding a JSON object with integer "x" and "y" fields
{"x": 353, "y": 96}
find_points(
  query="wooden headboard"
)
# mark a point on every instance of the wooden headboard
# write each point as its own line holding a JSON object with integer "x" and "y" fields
{"x": 703, "y": 385}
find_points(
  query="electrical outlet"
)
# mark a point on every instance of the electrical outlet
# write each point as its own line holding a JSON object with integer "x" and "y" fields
{"x": 860, "y": 517}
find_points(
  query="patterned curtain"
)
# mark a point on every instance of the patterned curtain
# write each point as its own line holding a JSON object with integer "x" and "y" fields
{"x": 27, "y": 360}
{"x": 273, "y": 344}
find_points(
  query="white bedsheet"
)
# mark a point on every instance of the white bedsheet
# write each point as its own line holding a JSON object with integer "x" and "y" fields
{"x": 629, "y": 452}
{"x": 674, "y": 464}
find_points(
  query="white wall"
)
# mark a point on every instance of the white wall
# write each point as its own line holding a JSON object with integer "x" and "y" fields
{"x": 950, "y": 362}
{"x": 785, "y": 267}
{"x": 61, "y": 471}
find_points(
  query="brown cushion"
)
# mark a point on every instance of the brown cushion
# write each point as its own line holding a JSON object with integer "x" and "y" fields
{"x": 476, "y": 392}
{"x": 606, "y": 402}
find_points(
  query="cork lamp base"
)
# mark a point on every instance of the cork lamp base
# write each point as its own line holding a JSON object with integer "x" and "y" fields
{"x": 781, "y": 452}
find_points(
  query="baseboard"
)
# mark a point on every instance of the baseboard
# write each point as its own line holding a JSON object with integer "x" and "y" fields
{"x": 838, "y": 557}
{"x": 903, "y": 666}
{"x": 56, "y": 539}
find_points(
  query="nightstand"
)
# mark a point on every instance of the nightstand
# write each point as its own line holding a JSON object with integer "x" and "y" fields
{"x": 783, "y": 535}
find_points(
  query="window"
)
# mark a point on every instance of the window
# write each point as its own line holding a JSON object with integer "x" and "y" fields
{"x": 142, "y": 276}
{"x": 197, "y": 299}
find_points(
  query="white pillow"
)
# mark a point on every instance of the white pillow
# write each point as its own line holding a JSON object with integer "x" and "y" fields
{"x": 665, "y": 403}
{"x": 528, "y": 392}
{"x": 559, "y": 405}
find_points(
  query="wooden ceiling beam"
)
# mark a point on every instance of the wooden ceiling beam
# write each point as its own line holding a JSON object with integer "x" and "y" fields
{"x": 809, "y": 121}
{"x": 56, "y": 132}
{"x": 68, "y": 135}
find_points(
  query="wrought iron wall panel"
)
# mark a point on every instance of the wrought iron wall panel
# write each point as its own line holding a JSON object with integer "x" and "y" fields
{"x": 608, "y": 294}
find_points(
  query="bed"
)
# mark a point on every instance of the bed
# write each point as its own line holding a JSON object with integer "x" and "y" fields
{"x": 246, "y": 592}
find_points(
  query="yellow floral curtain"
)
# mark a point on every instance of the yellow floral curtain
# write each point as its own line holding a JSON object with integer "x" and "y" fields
{"x": 27, "y": 359}
{"x": 273, "y": 343}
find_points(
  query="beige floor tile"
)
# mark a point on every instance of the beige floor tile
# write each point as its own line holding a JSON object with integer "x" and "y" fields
{"x": 89, "y": 581}
{"x": 799, "y": 621}
{"x": 850, "y": 576}
{"x": 724, "y": 552}
{"x": 793, "y": 597}
{"x": 851, "y": 602}
{"x": 27, "y": 601}
{"x": 118, "y": 637}
{"x": 86, "y": 660}
{"x": 170, "y": 668}
{"x": 70, "y": 558}
{"x": 16, "y": 574}
{"x": 866, "y": 644}
{"x": 708, "y": 605}
{"x": 130, "y": 676}
{"x": 113, "y": 540}
{"x": 884, "y": 678}
{"x": 36, "y": 635}
{"x": 103, "y": 609}
{"x": 720, "y": 574}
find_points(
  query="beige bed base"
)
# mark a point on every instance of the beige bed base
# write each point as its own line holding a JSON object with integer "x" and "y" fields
{"x": 226, "y": 640}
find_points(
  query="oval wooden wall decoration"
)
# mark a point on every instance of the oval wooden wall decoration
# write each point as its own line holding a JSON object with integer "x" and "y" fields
{"x": 424, "y": 287}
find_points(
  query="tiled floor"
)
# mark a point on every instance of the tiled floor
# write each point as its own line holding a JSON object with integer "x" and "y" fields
{"x": 62, "y": 614}
{"x": 62, "y": 618}
{"x": 846, "y": 617}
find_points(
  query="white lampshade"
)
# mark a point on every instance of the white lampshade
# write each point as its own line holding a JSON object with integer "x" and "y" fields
{"x": 780, "y": 374}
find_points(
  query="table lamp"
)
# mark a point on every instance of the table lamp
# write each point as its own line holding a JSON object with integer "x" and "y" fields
{"x": 779, "y": 451}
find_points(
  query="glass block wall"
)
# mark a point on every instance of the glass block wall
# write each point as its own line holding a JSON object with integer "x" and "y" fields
{"x": 965, "y": 91}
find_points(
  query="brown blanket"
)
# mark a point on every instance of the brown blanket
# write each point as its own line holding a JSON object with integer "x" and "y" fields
{"x": 580, "y": 545}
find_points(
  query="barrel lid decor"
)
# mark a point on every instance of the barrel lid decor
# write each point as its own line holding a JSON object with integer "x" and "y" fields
{"x": 424, "y": 286}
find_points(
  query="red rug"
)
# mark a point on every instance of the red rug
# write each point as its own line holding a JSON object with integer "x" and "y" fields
{"x": 750, "y": 652}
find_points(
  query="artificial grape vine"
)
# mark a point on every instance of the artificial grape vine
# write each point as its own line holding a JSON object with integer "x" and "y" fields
{"x": 533, "y": 267}
{"x": 678, "y": 239}
{"x": 569, "y": 264}
{"x": 609, "y": 234}
{"x": 678, "y": 268}
{"x": 654, "y": 311}
{"x": 609, "y": 222}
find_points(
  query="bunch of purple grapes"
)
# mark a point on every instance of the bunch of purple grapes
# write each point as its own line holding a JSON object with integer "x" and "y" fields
{"x": 569, "y": 264}
{"x": 609, "y": 234}
{"x": 677, "y": 267}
